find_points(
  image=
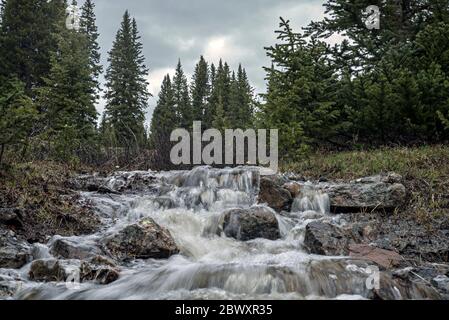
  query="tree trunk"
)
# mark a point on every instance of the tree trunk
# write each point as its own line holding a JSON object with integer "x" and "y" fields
{"x": 2, "y": 150}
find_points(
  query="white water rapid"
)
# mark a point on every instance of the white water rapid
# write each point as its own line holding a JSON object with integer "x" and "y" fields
{"x": 210, "y": 265}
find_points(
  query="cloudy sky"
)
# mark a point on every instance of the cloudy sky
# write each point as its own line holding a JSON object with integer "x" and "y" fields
{"x": 235, "y": 30}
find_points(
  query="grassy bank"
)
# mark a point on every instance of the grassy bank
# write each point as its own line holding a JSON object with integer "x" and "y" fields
{"x": 40, "y": 192}
{"x": 425, "y": 171}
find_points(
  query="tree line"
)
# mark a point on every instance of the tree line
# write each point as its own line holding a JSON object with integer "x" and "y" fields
{"x": 49, "y": 84}
{"x": 218, "y": 97}
{"x": 377, "y": 87}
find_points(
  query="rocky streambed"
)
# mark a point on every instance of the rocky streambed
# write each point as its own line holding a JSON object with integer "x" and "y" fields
{"x": 232, "y": 234}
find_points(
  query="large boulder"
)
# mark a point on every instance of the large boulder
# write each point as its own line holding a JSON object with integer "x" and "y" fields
{"x": 248, "y": 224}
{"x": 274, "y": 195}
{"x": 371, "y": 193}
{"x": 327, "y": 239}
{"x": 142, "y": 240}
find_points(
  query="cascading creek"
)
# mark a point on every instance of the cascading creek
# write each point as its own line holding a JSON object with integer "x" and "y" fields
{"x": 209, "y": 265}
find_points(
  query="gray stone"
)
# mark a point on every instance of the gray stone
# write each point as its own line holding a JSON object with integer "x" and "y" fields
{"x": 143, "y": 240}
{"x": 14, "y": 253}
{"x": 248, "y": 224}
{"x": 326, "y": 239}
{"x": 371, "y": 193}
{"x": 69, "y": 249}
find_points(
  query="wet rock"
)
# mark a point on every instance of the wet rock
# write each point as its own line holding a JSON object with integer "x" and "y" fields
{"x": 384, "y": 258}
{"x": 392, "y": 288}
{"x": 11, "y": 217}
{"x": 48, "y": 270}
{"x": 164, "y": 202}
{"x": 102, "y": 260}
{"x": 293, "y": 187}
{"x": 275, "y": 196}
{"x": 116, "y": 183}
{"x": 134, "y": 181}
{"x": 70, "y": 249}
{"x": 14, "y": 253}
{"x": 334, "y": 277}
{"x": 294, "y": 177}
{"x": 441, "y": 282}
{"x": 87, "y": 182}
{"x": 253, "y": 223}
{"x": 143, "y": 240}
{"x": 100, "y": 274}
{"x": 371, "y": 193}
{"x": 326, "y": 239}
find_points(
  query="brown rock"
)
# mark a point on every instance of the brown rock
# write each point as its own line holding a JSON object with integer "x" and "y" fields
{"x": 293, "y": 187}
{"x": 384, "y": 258}
{"x": 274, "y": 195}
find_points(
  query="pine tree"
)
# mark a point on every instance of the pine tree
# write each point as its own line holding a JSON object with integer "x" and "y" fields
{"x": 18, "y": 113}
{"x": 209, "y": 112}
{"x": 200, "y": 90}
{"x": 89, "y": 28}
{"x": 27, "y": 36}
{"x": 68, "y": 96}
{"x": 126, "y": 87}
{"x": 301, "y": 99}
{"x": 245, "y": 99}
{"x": 182, "y": 98}
{"x": 164, "y": 120}
{"x": 219, "y": 98}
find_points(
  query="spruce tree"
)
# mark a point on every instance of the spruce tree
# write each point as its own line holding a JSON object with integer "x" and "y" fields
{"x": 200, "y": 90}
{"x": 164, "y": 120}
{"x": 182, "y": 98}
{"x": 27, "y": 36}
{"x": 219, "y": 98}
{"x": 209, "y": 112}
{"x": 89, "y": 28}
{"x": 126, "y": 87}
{"x": 17, "y": 114}
{"x": 301, "y": 100}
{"x": 245, "y": 99}
{"x": 68, "y": 96}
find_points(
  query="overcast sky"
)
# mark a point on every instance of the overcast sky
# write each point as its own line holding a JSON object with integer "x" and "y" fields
{"x": 235, "y": 30}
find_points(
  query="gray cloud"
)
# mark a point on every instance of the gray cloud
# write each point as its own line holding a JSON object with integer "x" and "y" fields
{"x": 234, "y": 30}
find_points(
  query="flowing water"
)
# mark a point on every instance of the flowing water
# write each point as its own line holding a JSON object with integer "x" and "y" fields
{"x": 210, "y": 265}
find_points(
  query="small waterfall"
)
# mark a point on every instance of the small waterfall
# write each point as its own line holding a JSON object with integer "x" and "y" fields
{"x": 311, "y": 199}
{"x": 209, "y": 266}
